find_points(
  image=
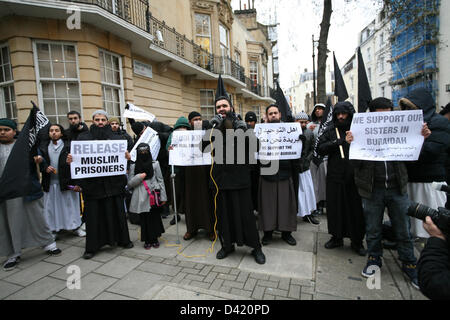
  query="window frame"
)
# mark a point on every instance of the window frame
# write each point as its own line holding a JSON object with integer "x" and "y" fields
{"x": 212, "y": 106}
{"x": 40, "y": 80}
{"x": 105, "y": 84}
{"x": 8, "y": 84}
{"x": 203, "y": 35}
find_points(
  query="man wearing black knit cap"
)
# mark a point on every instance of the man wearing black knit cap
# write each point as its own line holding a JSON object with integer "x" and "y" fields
{"x": 250, "y": 119}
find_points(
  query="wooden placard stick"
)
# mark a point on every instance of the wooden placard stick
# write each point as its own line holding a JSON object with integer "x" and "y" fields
{"x": 340, "y": 146}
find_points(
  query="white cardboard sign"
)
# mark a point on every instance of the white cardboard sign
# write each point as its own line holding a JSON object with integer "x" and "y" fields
{"x": 186, "y": 151}
{"x": 279, "y": 141}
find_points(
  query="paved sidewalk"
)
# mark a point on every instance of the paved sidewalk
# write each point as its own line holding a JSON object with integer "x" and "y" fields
{"x": 306, "y": 271}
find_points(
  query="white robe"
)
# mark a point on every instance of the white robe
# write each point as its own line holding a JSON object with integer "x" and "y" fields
{"x": 306, "y": 195}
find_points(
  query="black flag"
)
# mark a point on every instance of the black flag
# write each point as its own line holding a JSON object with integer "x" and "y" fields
{"x": 15, "y": 180}
{"x": 339, "y": 86}
{"x": 282, "y": 103}
{"x": 221, "y": 92}
{"x": 364, "y": 95}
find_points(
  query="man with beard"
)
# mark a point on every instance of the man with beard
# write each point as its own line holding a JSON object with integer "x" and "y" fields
{"x": 344, "y": 209}
{"x": 75, "y": 126}
{"x": 106, "y": 222}
{"x": 115, "y": 127}
{"x": 318, "y": 165}
{"x": 197, "y": 195}
{"x": 236, "y": 221}
{"x": 277, "y": 199}
{"x": 22, "y": 220}
{"x": 61, "y": 203}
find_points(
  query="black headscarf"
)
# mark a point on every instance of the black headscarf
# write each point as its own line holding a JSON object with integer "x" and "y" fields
{"x": 144, "y": 161}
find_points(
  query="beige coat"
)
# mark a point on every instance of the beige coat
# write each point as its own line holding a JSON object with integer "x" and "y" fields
{"x": 140, "y": 200}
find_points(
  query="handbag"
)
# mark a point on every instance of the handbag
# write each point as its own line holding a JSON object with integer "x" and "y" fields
{"x": 154, "y": 196}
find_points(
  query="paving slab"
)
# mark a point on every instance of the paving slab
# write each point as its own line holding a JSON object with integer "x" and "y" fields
{"x": 91, "y": 286}
{"x": 281, "y": 263}
{"x": 33, "y": 273}
{"x": 173, "y": 291}
{"x": 135, "y": 284}
{"x": 158, "y": 268}
{"x": 67, "y": 256}
{"x": 305, "y": 241}
{"x": 7, "y": 289}
{"x": 168, "y": 247}
{"x": 119, "y": 267}
{"x": 111, "y": 296}
{"x": 86, "y": 266}
{"x": 198, "y": 251}
{"x": 39, "y": 290}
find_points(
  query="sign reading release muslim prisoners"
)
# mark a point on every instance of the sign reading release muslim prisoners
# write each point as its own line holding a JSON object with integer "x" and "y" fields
{"x": 150, "y": 137}
{"x": 387, "y": 136}
{"x": 279, "y": 141}
{"x": 98, "y": 158}
{"x": 185, "y": 150}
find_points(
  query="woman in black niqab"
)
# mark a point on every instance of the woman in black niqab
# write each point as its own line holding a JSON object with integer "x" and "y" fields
{"x": 144, "y": 161}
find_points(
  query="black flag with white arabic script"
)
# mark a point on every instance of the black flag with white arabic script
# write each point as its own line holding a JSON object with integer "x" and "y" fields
{"x": 15, "y": 179}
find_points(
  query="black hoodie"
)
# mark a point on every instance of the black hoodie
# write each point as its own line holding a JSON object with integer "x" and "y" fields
{"x": 431, "y": 163}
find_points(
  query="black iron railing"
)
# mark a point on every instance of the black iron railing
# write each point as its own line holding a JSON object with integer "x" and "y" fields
{"x": 137, "y": 13}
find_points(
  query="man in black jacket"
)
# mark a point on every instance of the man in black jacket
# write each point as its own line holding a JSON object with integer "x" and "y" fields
{"x": 344, "y": 209}
{"x": 383, "y": 184}
{"x": 434, "y": 264}
{"x": 236, "y": 221}
{"x": 430, "y": 167}
{"x": 75, "y": 126}
{"x": 103, "y": 197}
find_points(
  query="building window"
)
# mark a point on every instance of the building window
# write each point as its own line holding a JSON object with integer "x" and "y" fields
{"x": 254, "y": 72}
{"x": 381, "y": 40}
{"x": 369, "y": 56}
{"x": 257, "y": 111}
{"x": 381, "y": 64}
{"x": 383, "y": 91}
{"x": 237, "y": 57}
{"x": 224, "y": 41}
{"x": 8, "y": 108}
{"x": 207, "y": 107}
{"x": 203, "y": 31}
{"x": 58, "y": 80}
{"x": 369, "y": 74}
{"x": 111, "y": 77}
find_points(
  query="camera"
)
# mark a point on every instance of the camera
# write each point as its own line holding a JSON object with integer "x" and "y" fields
{"x": 440, "y": 217}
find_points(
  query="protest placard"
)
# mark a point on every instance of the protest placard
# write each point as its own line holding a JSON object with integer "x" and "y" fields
{"x": 138, "y": 113}
{"x": 150, "y": 137}
{"x": 98, "y": 158}
{"x": 387, "y": 136}
{"x": 279, "y": 141}
{"x": 186, "y": 151}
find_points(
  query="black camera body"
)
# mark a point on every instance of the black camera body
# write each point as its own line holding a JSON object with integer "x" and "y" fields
{"x": 440, "y": 217}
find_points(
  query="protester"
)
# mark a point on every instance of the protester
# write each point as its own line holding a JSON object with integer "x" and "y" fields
{"x": 343, "y": 204}
{"x": 250, "y": 119}
{"x": 146, "y": 176}
{"x": 199, "y": 211}
{"x": 446, "y": 113}
{"x": 318, "y": 166}
{"x": 434, "y": 264}
{"x": 236, "y": 222}
{"x": 75, "y": 126}
{"x": 383, "y": 184}
{"x": 61, "y": 198}
{"x": 430, "y": 166}
{"x": 276, "y": 196}
{"x": 306, "y": 196}
{"x": 115, "y": 127}
{"x": 22, "y": 220}
{"x": 181, "y": 124}
{"x": 106, "y": 222}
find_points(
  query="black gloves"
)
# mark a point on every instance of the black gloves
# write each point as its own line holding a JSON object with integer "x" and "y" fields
{"x": 216, "y": 121}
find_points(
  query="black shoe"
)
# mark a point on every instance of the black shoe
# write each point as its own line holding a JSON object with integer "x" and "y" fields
{"x": 260, "y": 258}
{"x": 222, "y": 254}
{"x": 266, "y": 238}
{"x": 172, "y": 222}
{"x": 88, "y": 255}
{"x": 56, "y": 252}
{"x": 289, "y": 239}
{"x": 128, "y": 246}
{"x": 334, "y": 243}
{"x": 11, "y": 264}
{"x": 359, "y": 249}
{"x": 311, "y": 219}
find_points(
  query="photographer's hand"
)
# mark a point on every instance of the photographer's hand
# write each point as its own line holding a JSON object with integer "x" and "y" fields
{"x": 432, "y": 229}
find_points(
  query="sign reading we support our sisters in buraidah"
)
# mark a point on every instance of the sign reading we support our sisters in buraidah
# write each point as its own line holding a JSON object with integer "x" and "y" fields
{"x": 387, "y": 136}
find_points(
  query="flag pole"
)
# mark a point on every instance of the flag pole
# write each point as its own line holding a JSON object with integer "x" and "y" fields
{"x": 172, "y": 176}
{"x": 340, "y": 146}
